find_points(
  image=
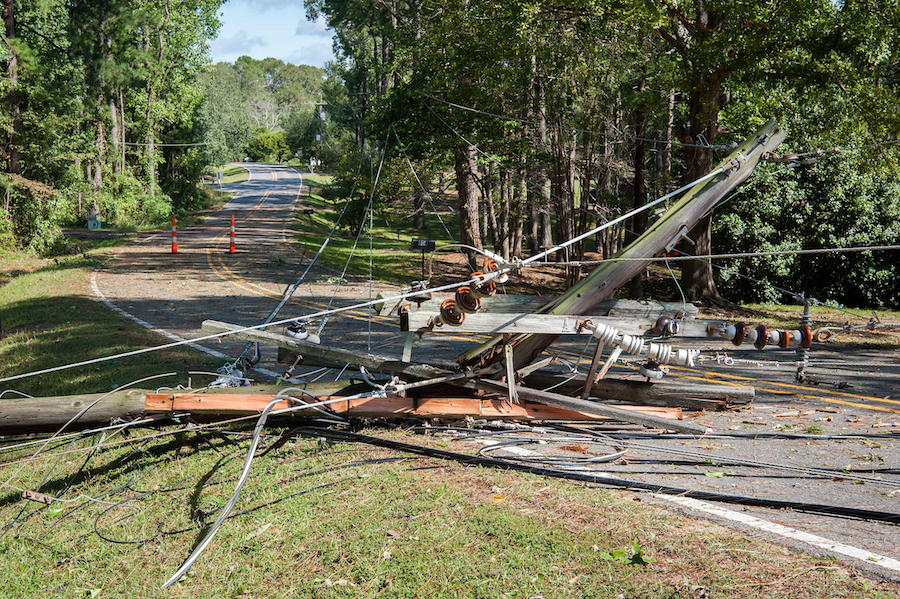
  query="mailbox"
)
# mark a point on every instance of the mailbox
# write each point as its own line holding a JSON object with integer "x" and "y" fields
{"x": 423, "y": 245}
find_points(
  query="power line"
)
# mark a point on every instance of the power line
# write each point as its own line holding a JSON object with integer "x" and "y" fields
{"x": 620, "y": 136}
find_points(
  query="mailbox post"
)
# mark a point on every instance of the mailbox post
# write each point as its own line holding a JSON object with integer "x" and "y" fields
{"x": 423, "y": 245}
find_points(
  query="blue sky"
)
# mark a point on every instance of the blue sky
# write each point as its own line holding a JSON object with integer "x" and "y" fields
{"x": 276, "y": 28}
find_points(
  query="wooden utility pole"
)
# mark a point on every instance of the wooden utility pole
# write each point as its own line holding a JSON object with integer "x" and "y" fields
{"x": 610, "y": 276}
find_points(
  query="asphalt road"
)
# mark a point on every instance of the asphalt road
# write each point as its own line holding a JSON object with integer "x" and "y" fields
{"x": 842, "y": 419}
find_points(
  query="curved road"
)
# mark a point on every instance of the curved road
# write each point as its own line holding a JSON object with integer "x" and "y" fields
{"x": 857, "y": 390}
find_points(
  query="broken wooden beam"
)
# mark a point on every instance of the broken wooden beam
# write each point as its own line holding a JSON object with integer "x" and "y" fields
{"x": 548, "y": 324}
{"x": 328, "y": 356}
{"x": 690, "y": 396}
{"x": 590, "y": 407}
{"x": 207, "y": 404}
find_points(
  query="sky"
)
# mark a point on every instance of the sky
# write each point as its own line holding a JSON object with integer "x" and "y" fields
{"x": 271, "y": 28}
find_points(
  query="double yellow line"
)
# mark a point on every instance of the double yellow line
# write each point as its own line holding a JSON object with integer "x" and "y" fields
{"x": 225, "y": 273}
{"x": 833, "y": 397}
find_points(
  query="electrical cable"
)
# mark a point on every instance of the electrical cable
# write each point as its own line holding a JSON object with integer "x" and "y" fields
{"x": 468, "y": 460}
{"x": 620, "y": 136}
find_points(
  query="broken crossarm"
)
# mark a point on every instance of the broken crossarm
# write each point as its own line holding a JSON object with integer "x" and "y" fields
{"x": 331, "y": 357}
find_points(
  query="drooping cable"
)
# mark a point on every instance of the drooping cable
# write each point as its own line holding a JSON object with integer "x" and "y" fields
{"x": 469, "y": 460}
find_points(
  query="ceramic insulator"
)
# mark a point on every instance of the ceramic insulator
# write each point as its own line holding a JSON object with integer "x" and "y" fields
{"x": 605, "y": 334}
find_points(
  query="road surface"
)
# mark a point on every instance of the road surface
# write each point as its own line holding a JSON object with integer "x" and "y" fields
{"x": 854, "y": 391}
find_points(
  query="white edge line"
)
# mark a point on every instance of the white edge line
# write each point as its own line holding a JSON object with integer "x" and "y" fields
{"x": 144, "y": 323}
{"x": 784, "y": 531}
{"x": 167, "y": 334}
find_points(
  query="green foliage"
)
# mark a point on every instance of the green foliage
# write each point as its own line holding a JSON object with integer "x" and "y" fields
{"x": 268, "y": 146}
{"x": 850, "y": 199}
{"x": 633, "y": 555}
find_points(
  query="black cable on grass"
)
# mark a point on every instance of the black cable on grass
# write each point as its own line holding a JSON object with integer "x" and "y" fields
{"x": 468, "y": 460}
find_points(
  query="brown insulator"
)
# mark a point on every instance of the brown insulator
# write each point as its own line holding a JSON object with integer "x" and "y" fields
{"x": 450, "y": 314}
{"x": 485, "y": 289}
{"x": 466, "y": 301}
{"x": 805, "y": 336}
{"x": 665, "y": 327}
{"x": 740, "y": 333}
{"x": 783, "y": 339}
{"x": 762, "y": 337}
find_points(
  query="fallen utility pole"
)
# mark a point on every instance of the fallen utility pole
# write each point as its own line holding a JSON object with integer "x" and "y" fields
{"x": 28, "y": 415}
{"x": 690, "y": 396}
{"x": 457, "y": 408}
{"x": 661, "y": 236}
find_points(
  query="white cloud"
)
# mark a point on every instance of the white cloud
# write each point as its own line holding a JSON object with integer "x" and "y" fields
{"x": 314, "y": 55}
{"x": 309, "y": 28}
{"x": 239, "y": 43}
{"x": 275, "y": 4}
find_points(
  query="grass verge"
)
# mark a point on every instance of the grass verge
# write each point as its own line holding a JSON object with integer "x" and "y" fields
{"x": 49, "y": 317}
{"x": 393, "y": 260}
{"x": 321, "y": 520}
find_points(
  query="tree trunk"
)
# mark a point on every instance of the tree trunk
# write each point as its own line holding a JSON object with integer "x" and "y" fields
{"x": 114, "y": 134}
{"x": 419, "y": 207}
{"x": 466, "y": 170}
{"x": 638, "y": 187}
{"x": 518, "y": 219}
{"x": 99, "y": 145}
{"x": 505, "y": 193}
{"x": 704, "y": 104}
{"x": 14, "y": 164}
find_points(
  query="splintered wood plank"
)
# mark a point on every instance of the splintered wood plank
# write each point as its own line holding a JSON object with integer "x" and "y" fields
{"x": 386, "y": 407}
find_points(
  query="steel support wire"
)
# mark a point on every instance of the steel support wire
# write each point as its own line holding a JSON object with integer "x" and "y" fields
{"x": 293, "y": 289}
{"x": 469, "y": 460}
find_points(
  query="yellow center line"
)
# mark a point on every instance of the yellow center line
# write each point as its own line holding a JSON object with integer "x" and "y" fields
{"x": 778, "y": 388}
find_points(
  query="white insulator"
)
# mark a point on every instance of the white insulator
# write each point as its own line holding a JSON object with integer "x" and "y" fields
{"x": 302, "y": 334}
{"x": 796, "y": 337}
{"x": 729, "y": 332}
{"x": 632, "y": 345}
{"x": 313, "y": 338}
{"x": 752, "y": 334}
{"x": 659, "y": 352}
{"x": 685, "y": 357}
{"x": 651, "y": 373}
{"x": 606, "y": 334}
{"x": 773, "y": 337}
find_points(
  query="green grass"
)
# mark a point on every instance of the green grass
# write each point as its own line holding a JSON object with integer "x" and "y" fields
{"x": 231, "y": 173}
{"x": 49, "y": 317}
{"x": 320, "y": 520}
{"x": 393, "y": 261}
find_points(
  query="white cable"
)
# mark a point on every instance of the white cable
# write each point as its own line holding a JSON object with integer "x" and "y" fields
{"x": 245, "y": 473}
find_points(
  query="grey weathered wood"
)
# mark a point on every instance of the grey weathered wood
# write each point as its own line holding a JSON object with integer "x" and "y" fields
{"x": 532, "y": 303}
{"x": 550, "y": 324}
{"x": 610, "y": 276}
{"x": 590, "y": 407}
{"x": 690, "y": 396}
{"x": 328, "y": 356}
{"x": 22, "y": 415}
